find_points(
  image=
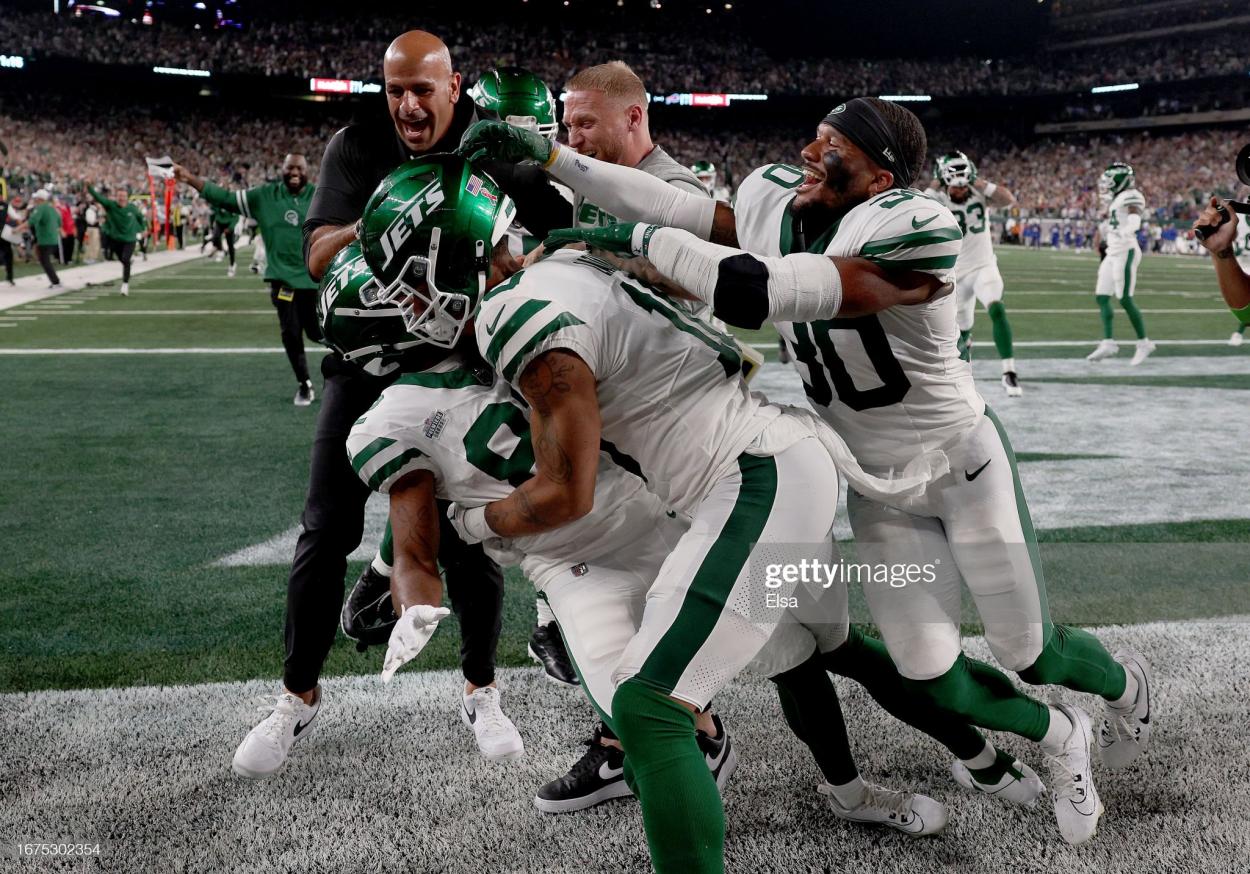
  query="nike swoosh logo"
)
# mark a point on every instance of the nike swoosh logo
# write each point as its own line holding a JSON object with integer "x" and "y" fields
{"x": 918, "y": 225}
{"x": 714, "y": 763}
{"x": 300, "y": 726}
{"x": 608, "y": 773}
{"x": 472, "y": 716}
{"x": 490, "y": 329}
{"x": 976, "y": 473}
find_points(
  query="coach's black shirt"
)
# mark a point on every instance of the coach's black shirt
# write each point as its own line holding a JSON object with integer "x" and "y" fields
{"x": 361, "y": 155}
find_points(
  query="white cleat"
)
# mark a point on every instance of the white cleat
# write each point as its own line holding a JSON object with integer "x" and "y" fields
{"x": 1144, "y": 348}
{"x": 912, "y": 813}
{"x": 230, "y": 271}
{"x": 1020, "y": 785}
{"x": 1077, "y": 805}
{"x": 125, "y": 289}
{"x": 266, "y": 746}
{"x": 1011, "y": 384}
{"x": 1125, "y": 734}
{"x": 1236, "y": 339}
{"x": 497, "y": 737}
{"x": 1105, "y": 349}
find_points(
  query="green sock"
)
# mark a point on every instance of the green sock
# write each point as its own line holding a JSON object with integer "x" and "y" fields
{"x": 984, "y": 696}
{"x": 865, "y": 660}
{"x": 1104, "y": 310}
{"x": 1003, "y": 765}
{"x": 1075, "y": 659}
{"x": 681, "y": 807}
{"x": 1134, "y": 316}
{"x": 384, "y": 561}
{"x": 964, "y": 345}
{"x": 1002, "y": 329}
{"x": 810, "y": 704}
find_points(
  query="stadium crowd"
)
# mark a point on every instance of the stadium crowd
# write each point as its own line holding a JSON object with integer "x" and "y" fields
{"x": 350, "y": 49}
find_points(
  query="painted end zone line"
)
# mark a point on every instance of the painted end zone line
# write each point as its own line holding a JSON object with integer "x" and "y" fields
{"x": 192, "y": 350}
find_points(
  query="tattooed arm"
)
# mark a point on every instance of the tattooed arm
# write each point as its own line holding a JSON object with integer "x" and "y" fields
{"x": 564, "y": 428}
{"x": 414, "y": 524}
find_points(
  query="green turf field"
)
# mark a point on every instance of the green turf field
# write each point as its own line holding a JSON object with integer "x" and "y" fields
{"x": 130, "y": 475}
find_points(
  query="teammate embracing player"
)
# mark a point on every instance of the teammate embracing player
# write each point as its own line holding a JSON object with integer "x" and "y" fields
{"x": 977, "y": 278}
{"x": 893, "y": 387}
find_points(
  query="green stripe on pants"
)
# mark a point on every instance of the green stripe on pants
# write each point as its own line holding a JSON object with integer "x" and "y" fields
{"x": 1128, "y": 273}
{"x": 714, "y": 580}
{"x": 1026, "y": 525}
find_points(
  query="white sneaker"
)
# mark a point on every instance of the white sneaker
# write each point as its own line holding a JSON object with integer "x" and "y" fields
{"x": 1077, "y": 805}
{"x": 912, "y": 813}
{"x": 1125, "y": 734}
{"x": 304, "y": 395}
{"x": 1020, "y": 785}
{"x": 266, "y": 746}
{"x": 125, "y": 289}
{"x": 1144, "y": 348}
{"x": 1105, "y": 349}
{"x": 230, "y": 271}
{"x": 1011, "y": 384}
{"x": 497, "y": 737}
{"x": 219, "y": 256}
{"x": 1236, "y": 339}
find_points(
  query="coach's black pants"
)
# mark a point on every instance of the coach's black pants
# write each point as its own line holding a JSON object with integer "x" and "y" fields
{"x": 226, "y": 231}
{"x": 125, "y": 251}
{"x": 297, "y": 315}
{"x": 6, "y": 256}
{"x": 46, "y": 254}
{"x": 333, "y": 526}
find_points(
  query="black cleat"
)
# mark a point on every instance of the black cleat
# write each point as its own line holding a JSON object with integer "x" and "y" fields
{"x": 547, "y": 648}
{"x": 719, "y": 753}
{"x": 596, "y": 777}
{"x": 368, "y": 614}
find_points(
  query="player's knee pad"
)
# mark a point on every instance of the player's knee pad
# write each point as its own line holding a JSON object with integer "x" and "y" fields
{"x": 1049, "y": 668}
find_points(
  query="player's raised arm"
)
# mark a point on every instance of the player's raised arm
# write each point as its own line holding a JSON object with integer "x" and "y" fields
{"x": 748, "y": 290}
{"x": 564, "y": 428}
{"x": 1234, "y": 283}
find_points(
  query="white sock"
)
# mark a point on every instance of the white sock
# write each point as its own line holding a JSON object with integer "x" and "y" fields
{"x": 851, "y": 795}
{"x": 1060, "y": 728}
{"x": 543, "y": 609}
{"x": 1129, "y": 698}
{"x": 380, "y": 566}
{"x": 983, "y": 759}
{"x": 1009, "y": 364}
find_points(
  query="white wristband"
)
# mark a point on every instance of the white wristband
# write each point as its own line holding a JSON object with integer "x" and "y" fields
{"x": 631, "y": 194}
{"x": 475, "y": 524}
{"x": 989, "y": 189}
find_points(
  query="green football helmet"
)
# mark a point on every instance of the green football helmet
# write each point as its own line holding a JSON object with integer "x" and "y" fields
{"x": 355, "y": 322}
{"x": 1116, "y": 178}
{"x": 427, "y": 234}
{"x": 705, "y": 172}
{"x": 519, "y": 98}
{"x": 955, "y": 169}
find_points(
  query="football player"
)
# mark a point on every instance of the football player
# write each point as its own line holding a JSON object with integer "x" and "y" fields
{"x": 845, "y": 227}
{"x": 604, "y": 362}
{"x": 1117, "y": 273}
{"x": 969, "y": 199}
{"x": 1230, "y": 248}
{"x": 705, "y": 172}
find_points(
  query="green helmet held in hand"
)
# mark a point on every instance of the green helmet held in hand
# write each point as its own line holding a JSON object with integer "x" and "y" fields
{"x": 428, "y": 233}
{"x": 519, "y": 98}
{"x": 354, "y": 321}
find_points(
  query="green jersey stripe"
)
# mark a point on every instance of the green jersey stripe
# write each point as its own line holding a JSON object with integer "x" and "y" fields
{"x": 361, "y": 458}
{"x": 501, "y": 334}
{"x": 503, "y": 286}
{"x": 564, "y": 320}
{"x": 938, "y": 262}
{"x": 459, "y": 378}
{"x": 392, "y": 467}
{"x": 910, "y": 241}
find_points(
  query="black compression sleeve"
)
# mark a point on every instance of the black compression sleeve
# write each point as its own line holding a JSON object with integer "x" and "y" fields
{"x": 741, "y": 295}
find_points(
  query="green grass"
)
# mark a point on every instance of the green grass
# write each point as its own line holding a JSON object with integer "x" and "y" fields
{"x": 127, "y": 476}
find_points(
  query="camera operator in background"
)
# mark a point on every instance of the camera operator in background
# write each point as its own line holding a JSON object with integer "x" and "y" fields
{"x": 1223, "y": 243}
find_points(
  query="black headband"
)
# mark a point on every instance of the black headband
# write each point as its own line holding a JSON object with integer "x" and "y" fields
{"x": 859, "y": 121}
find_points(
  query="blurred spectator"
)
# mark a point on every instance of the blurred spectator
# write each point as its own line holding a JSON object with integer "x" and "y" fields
{"x": 45, "y": 224}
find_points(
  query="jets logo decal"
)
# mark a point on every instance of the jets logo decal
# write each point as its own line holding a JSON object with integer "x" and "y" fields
{"x": 410, "y": 215}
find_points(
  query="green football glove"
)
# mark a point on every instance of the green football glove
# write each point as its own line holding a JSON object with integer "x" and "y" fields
{"x": 503, "y": 142}
{"x": 623, "y": 238}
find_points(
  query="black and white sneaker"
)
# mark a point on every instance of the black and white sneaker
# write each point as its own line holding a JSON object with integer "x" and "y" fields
{"x": 1011, "y": 384}
{"x": 304, "y": 395}
{"x": 596, "y": 777}
{"x": 719, "y": 753}
{"x": 368, "y": 614}
{"x": 548, "y": 649}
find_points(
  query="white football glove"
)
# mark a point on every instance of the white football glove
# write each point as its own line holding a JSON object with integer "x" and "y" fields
{"x": 410, "y": 635}
{"x": 469, "y": 522}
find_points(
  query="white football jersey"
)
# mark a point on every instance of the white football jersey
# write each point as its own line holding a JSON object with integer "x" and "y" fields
{"x": 1119, "y": 238}
{"x": 671, "y": 394}
{"x": 892, "y": 384}
{"x": 463, "y": 425}
{"x": 1241, "y": 242}
{"x": 977, "y": 250}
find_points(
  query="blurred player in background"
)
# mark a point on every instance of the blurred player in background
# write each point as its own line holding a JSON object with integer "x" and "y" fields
{"x": 1117, "y": 273}
{"x": 705, "y": 172}
{"x": 222, "y": 222}
{"x": 45, "y": 225}
{"x": 124, "y": 224}
{"x": 279, "y": 209}
{"x": 957, "y": 187}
